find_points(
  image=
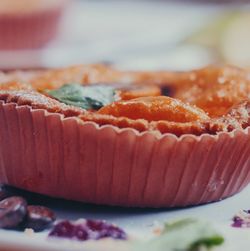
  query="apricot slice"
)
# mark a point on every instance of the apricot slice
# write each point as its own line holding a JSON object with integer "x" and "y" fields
{"x": 155, "y": 109}
{"x": 137, "y": 91}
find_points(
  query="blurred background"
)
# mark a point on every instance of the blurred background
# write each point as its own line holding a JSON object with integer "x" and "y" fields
{"x": 136, "y": 34}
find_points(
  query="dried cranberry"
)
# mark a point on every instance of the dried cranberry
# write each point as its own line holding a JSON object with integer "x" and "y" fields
{"x": 237, "y": 222}
{"x": 105, "y": 230}
{"x": 63, "y": 229}
{"x": 39, "y": 218}
{"x": 81, "y": 232}
{"x": 12, "y": 212}
{"x": 87, "y": 230}
{"x": 242, "y": 219}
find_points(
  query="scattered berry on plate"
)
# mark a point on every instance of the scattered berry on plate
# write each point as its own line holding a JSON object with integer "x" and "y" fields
{"x": 87, "y": 230}
{"x": 242, "y": 219}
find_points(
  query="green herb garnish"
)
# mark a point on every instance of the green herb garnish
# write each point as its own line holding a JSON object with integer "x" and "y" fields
{"x": 91, "y": 97}
{"x": 183, "y": 235}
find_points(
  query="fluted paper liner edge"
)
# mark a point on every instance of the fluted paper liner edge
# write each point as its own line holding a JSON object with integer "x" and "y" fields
{"x": 66, "y": 158}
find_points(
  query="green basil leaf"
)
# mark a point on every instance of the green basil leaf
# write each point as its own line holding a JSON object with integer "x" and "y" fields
{"x": 183, "y": 235}
{"x": 90, "y": 97}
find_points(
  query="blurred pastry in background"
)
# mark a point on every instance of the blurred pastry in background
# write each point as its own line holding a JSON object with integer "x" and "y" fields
{"x": 227, "y": 38}
{"x": 26, "y": 24}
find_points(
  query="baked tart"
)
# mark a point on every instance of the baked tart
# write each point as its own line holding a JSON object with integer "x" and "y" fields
{"x": 29, "y": 24}
{"x": 149, "y": 139}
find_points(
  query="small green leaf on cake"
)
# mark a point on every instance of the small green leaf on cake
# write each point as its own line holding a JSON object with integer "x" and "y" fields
{"x": 90, "y": 97}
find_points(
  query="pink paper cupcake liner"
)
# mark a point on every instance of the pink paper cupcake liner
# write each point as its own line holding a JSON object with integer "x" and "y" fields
{"x": 29, "y": 31}
{"x": 67, "y": 158}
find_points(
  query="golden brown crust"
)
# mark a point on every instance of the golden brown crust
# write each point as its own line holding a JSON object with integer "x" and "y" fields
{"x": 83, "y": 74}
{"x": 38, "y": 101}
{"x": 141, "y": 125}
{"x": 238, "y": 116}
{"x": 222, "y": 92}
{"x": 196, "y": 128}
{"x": 212, "y": 126}
{"x": 213, "y": 89}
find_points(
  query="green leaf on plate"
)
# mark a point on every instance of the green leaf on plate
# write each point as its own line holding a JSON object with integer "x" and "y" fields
{"x": 183, "y": 235}
{"x": 90, "y": 97}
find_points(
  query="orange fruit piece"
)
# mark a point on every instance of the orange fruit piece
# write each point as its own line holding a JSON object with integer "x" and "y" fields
{"x": 136, "y": 91}
{"x": 155, "y": 109}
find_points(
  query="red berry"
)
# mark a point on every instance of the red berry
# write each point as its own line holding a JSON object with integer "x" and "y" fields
{"x": 87, "y": 230}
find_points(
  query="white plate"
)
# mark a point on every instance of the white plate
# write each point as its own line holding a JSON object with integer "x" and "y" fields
{"x": 137, "y": 222}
